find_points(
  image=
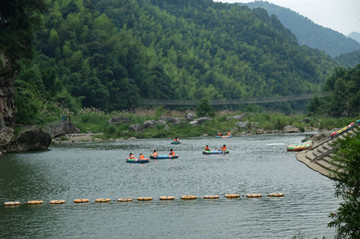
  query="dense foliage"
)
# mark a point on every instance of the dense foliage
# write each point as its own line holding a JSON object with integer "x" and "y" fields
{"x": 349, "y": 60}
{"x": 115, "y": 54}
{"x": 347, "y": 159}
{"x": 344, "y": 99}
{"x": 309, "y": 33}
{"x": 18, "y": 21}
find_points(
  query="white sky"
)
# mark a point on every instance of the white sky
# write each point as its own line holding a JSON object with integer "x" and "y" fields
{"x": 339, "y": 15}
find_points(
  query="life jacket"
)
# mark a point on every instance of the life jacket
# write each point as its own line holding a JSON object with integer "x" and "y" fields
{"x": 176, "y": 139}
{"x": 172, "y": 153}
{"x": 207, "y": 149}
{"x": 219, "y": 134}
{"x": 131, "y": 156}
{"x": 142, "y": 156}
{"x": 224, "y": 148}
{"x": 155, "y": 154}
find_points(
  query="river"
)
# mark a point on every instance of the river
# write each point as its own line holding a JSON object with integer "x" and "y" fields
{"x": 255, "y": 164}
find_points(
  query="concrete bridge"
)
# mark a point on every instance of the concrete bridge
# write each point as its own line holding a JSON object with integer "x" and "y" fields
{"x": 319, "y": 157}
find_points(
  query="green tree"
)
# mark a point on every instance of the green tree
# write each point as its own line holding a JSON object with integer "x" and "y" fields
{"x": 347, "y": 176}
{"x": 205, "y": 109}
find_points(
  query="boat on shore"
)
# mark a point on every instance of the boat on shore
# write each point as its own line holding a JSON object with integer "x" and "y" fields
{"x": 300, "y": 146}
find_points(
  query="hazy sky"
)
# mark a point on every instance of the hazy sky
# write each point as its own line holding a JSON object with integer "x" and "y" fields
{"x": 340, "y": 15}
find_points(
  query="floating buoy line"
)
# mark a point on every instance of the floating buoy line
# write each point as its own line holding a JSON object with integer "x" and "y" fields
{"x": 130, "y": 199}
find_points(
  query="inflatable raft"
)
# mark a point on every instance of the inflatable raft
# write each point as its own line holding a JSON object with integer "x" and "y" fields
{"x": 128, "y": 160}
{"x": 215, "y": 152}
{"x": 224, "y": 136}
{"x": 164, "y": 156}
{"x": 299, "y": 147}
{"x": 175, "y": 142}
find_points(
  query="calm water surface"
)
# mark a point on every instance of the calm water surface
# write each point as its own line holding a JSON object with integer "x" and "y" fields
{"x": 256, "y": 164}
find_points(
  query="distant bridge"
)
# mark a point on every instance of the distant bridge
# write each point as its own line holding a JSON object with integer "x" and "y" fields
{"x": 243, "y": 101}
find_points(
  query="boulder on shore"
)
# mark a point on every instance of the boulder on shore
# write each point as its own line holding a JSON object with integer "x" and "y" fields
{"x": 28, "y": 140}
{"x": 291, "y": 129}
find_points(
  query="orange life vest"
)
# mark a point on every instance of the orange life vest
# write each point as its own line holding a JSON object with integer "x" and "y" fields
{"x": 142, "y": 156}
{"x": 224, "y": 148}
{"x": 207, "y": 149}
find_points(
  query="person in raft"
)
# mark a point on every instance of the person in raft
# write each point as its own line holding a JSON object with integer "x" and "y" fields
{"x": 141, "y": 157}
{"x": 131, "y": 156}
{"x": 223, "y": 148}
{"x": 207, "y": 148}
{"x": 172, "y": 153}
{"x": 155, "y": 154}
{"x": 176, "y": 139}
{"x": 228, "y": 134}
{"x": 219, "y": 134}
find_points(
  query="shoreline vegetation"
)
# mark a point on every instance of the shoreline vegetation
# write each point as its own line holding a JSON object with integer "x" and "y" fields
{"x": 95, "y": 125}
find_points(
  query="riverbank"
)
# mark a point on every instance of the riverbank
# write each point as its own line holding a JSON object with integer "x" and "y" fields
{"x": 93, "y": 125}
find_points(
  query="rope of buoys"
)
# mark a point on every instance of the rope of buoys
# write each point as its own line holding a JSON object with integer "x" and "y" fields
{"x": 211, "y": 197}
{"x": 232, "y": 195}
{"x": 167, "y": 198}
{"x": 125, "y": 199}
{"x": 35, "y": 202}
{"x": 103, "y": 200}
{"x": 144, "y": 198}
{"x": 253, "y": 195}
{"x": 57, "y": 201}
{"x": 275, "y": 194}
{"x": 188, "y": 197}
{"x": 11, "y": 204}
{"x": 83, "y": 200}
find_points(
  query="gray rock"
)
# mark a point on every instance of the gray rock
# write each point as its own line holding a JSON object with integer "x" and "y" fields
{"x": 189, "y": 116}
{"x": 291, "y": 129}
{"x": 116, "y": 120}
{"x": 200, "y": 120}
{"x": 135, "y": 128}
{"x": 242, "y": 125}
{"x": 236, "y": 117}
{"x": 149, "y": 124}
{"x": 6, "y": 135}
{"x": 172, "y": 120}
{"x": 28, "y": 140}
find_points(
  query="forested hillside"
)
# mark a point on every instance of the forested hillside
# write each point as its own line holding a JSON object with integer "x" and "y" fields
{"x": 309, "y": 33}
{"x": 344, "y": 100}
{"x": 115, "y": 54}
{"x": 349, "y": 60}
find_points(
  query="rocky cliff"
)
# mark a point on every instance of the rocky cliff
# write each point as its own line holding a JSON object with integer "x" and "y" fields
{"x": 28, "y": 140}
{"x": 7, "y": 91}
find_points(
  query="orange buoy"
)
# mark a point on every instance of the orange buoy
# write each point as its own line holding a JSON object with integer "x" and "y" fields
{"x": 233, "y": 195}
{"x": 11, "y": 204}
{"x": 253, "y": 195}
{"x": 144, "y": 198}
{"x": 103, "y": 200}
{"x": 188, "y": 197}
{"x": 35, "y": 202}
{"x": 125, "y": 200}
{"x": 211, "y": 197}
{"x": 167, "y": 198}
{"x": 84, "y": 200}
{"x": 275, "y": 194}
{"x": 57, "y": 201}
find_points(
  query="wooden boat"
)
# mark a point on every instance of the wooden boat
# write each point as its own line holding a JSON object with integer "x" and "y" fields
{"x": 145, "y": 160}
{"x": 215, "y": 152}
{"x": 165, "y": 156}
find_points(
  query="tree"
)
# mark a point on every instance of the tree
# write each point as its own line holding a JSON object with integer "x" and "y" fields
{"x": 347, "y": 176}
{"x": 205, "y": 109}
{"x": 18, "y": 20}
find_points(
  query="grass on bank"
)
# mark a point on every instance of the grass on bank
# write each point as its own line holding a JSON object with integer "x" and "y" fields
{"x": 92, "y": 120}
